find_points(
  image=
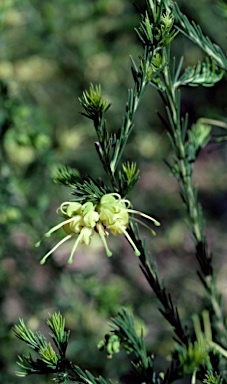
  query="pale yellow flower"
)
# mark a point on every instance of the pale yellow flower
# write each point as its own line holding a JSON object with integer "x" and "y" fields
{"x": 80, "y": 219}
{"x": 115, "y": 215}
{"x": 84, "y": 220}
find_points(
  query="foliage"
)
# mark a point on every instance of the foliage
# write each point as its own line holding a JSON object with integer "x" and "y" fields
{"x": 201, "y": 353}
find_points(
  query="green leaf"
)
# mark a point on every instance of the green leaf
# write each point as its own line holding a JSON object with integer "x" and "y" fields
{"x": 83, "y": 189}
{"x": 199, "y": 135}
{"x": 128, "y": 335}
{"x": 194, "y": 33}
{"x": 128, "y": 177}
{"x": 93, "y": 103}
{"x": 56, "y": 323}
{"x": 205, "y": 74}
{"x": 32, "y": 366}
{"x": 48, "y": 355}
{"x": 212, "y": 378}
{"x": 34, "y": 340}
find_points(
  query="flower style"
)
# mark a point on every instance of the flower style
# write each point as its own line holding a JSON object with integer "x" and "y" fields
{"x": 111, "y": 213}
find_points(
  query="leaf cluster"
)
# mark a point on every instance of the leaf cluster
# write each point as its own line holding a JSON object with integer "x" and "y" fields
{"x": 49, "y": 361}
{"x": 88, "y": 189}
{"x": 83, "y": 189}
{"x": 126, "y": 335}
{"x": 157, "y": 26}
{"x": 194, "y": 32}
{"x": 206, "y": 74}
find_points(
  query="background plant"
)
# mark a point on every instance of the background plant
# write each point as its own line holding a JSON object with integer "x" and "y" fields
{"x": 166, "y": 213}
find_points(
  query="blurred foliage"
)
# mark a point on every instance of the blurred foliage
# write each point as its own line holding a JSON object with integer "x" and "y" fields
{"x": 50, "y": 52}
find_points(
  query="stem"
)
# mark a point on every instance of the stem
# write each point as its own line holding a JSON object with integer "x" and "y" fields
{"x": 168, "y": 310}
{"x": 184, "y": 177}
{"x": 128, "y": 123}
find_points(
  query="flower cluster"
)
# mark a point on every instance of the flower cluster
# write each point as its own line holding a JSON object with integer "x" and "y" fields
{"x": 111, "y": 214}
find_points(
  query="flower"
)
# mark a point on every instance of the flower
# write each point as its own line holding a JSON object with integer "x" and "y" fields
{"x": 111, "y": 213}
{"x": 114, "y": 213}
{"x": 79, "y": 219}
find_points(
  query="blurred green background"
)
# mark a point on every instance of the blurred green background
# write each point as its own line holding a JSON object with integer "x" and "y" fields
{"x": 50, "y": 53}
